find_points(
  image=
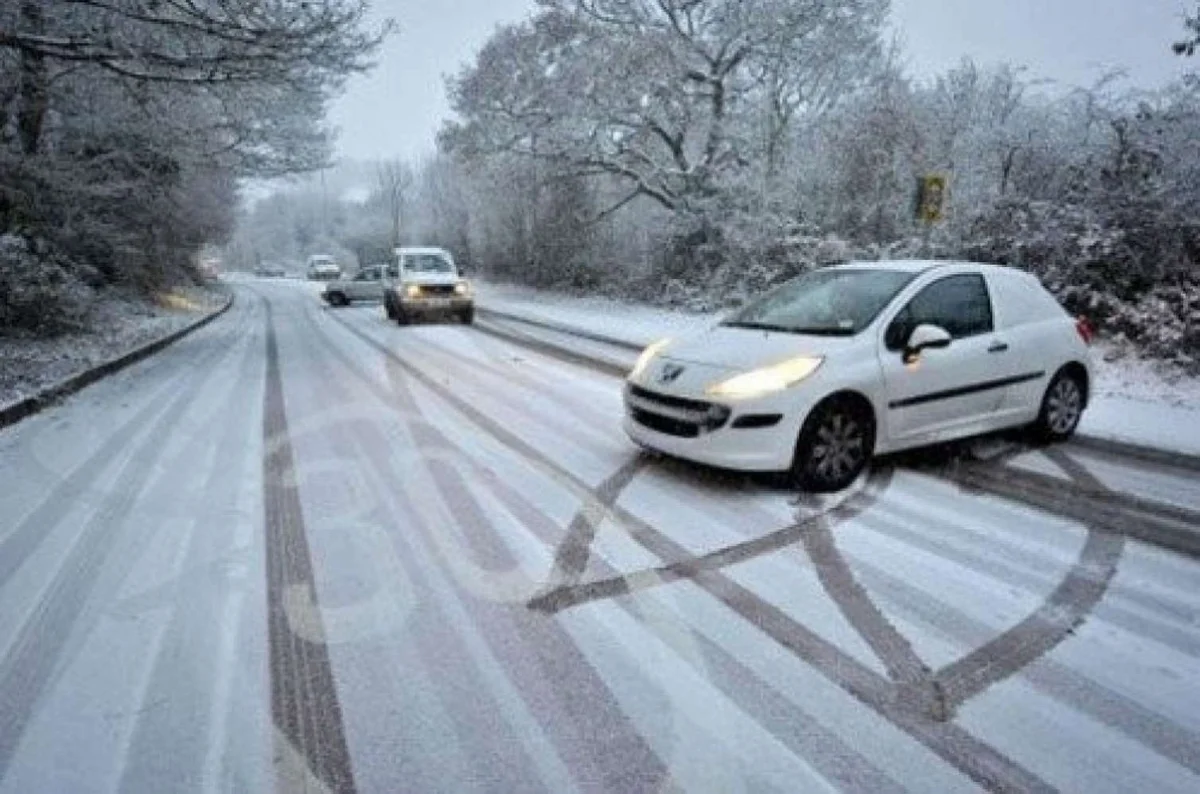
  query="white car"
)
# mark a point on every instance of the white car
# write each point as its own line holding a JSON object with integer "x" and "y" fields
{"x": 423, "y": 282}
{"x": 861, "y": 359}
{"x": 322, "y": 267}
{"x": 367, "y": 284}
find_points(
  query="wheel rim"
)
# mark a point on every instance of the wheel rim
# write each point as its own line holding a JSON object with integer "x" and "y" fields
{"x": 1064, "y": 405}
{"x": 839, "y": 448}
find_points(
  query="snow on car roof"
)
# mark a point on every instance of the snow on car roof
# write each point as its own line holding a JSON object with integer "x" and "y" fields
{"x": 418, "y": 250}
{"x": 920, "y": 265}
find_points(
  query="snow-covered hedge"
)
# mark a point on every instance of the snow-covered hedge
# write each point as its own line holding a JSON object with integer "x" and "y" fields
{"x": 39, "y": 292}
{"x": 1149, "y": 299}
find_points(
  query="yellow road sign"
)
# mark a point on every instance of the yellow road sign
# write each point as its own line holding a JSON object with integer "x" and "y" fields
{"x": 931, "y": 197}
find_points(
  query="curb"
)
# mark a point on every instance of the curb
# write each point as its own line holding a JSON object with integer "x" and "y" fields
{"x": 559, "y": 352}
{"x": 624, "y": 344}
{"x": 26, "y": 407}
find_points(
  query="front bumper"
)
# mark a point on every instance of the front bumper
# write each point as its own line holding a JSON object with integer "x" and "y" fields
{"x": 746, "y": 435}
{"x": 436, "y": 303}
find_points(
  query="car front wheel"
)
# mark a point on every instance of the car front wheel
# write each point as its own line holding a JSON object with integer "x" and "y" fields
{"x": 1062, "y": 407}
{"x": 834, "y": 447}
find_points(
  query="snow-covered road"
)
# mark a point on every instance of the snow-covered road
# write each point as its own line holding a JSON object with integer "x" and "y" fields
{"x": 308, "y": 549}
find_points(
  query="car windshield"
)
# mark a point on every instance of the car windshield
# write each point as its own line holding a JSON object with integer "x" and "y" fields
{"x": 427, "y": 263}
{"x": 832, "y": 302}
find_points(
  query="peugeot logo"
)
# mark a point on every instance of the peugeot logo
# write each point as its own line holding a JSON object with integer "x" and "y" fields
{"x": 670, "y": 373}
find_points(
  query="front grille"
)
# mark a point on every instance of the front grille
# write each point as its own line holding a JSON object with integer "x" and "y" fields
{"x": 665, "y": 424}
{"x": 674, "y": 416}
{"x": 437, "y": 289}
{"x": 669, "y": 401}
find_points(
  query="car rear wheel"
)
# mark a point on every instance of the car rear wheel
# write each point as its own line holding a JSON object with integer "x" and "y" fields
{"x": 834, "y": 447}
{"x": 1062, "y": 407}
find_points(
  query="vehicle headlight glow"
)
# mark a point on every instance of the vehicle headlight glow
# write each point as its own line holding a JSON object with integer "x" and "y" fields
{"x": 412, "y": 291}
{"x": 647, "y": 356}
{"x": 766, "y": 380}
{"x": 462, "y": 288}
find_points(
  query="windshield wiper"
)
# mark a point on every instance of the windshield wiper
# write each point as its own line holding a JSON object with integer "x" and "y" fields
{"x": 759, "y": 326}
{"x": 792, "y": 329}
{"x": 824, "y": 331}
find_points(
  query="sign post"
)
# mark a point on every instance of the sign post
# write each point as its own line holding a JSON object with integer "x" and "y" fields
{"x": 930, "y": 205}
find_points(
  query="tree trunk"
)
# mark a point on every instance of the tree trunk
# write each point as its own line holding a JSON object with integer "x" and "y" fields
{"x": 35, "y": 97}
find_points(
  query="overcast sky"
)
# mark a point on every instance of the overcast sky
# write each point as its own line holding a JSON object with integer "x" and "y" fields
{"x": 397, "y": 109}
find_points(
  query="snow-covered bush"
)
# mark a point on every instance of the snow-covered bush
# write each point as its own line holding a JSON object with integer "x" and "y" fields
{"x": 39, "y": 292}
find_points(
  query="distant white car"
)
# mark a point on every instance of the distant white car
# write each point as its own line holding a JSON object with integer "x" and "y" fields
{"x": 861, "y": 359}
{"x": 425, "y": 282}
{"x": 322, "y": 267}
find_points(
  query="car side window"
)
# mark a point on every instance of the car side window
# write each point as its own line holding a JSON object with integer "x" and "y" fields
{"x": 960, "y": 304}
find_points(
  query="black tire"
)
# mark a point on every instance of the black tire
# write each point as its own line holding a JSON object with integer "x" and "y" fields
{"x": 834, "y": 447}
{"x": 389, "y": 309}
{"x": 337, "y": 299}
{"x": 467, "y": 316}
{"x": 402, "y": 317}
{"x": 1062, "y": 407}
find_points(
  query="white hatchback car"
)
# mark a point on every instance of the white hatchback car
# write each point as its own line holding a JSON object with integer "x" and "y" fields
{"x": 867, "y": 358}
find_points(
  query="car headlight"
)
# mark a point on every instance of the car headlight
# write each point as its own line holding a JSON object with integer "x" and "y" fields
{"x": 412, "y": 291}
{"x": 647, "y": 356}
{"x": 766, "y": 380}
{"x": 462, "y": 288}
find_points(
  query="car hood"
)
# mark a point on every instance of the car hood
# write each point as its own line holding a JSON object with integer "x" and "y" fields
{"x": 742, "y": 349}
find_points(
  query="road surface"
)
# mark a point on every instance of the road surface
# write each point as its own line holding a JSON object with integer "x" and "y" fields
{"x": 307, "y": 550}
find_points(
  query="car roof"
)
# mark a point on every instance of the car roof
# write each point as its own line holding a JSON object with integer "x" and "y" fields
{"x": 419, "y": 250}
{"x": 919, "y": 266}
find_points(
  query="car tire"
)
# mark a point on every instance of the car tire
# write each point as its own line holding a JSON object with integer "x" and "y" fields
{"x": 1062, "y": 407}
{"x": 402, "y": 317}
{"x": 834, "y": 447}
{"x": 467, "y": 316}
{"x": 389, "y": 309}
{"x": 337, "y": 299}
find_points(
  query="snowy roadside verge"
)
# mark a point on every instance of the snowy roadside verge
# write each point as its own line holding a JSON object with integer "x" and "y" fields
{"x": 1137, "y": 406}
{"x": 36, "y": 373}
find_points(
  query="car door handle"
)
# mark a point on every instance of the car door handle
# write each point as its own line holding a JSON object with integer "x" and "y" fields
{"x": 998, "y": 347}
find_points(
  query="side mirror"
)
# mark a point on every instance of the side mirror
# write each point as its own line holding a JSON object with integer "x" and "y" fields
{"x": 925, "y": 337}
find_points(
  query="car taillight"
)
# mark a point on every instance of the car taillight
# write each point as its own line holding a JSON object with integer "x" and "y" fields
{"x": 1087, "y": 332}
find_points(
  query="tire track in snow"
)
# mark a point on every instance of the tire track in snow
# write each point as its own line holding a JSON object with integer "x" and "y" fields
{"x": 304, "y": 700}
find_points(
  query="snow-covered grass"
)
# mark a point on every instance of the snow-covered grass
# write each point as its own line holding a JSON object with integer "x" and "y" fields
{"x": 117, "y": 322}
{"x": 1135, "y": 401}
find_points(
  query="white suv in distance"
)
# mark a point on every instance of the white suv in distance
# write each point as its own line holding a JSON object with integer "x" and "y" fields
{"x": 426, "y": 282}
{"x": 868, "y": 358}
